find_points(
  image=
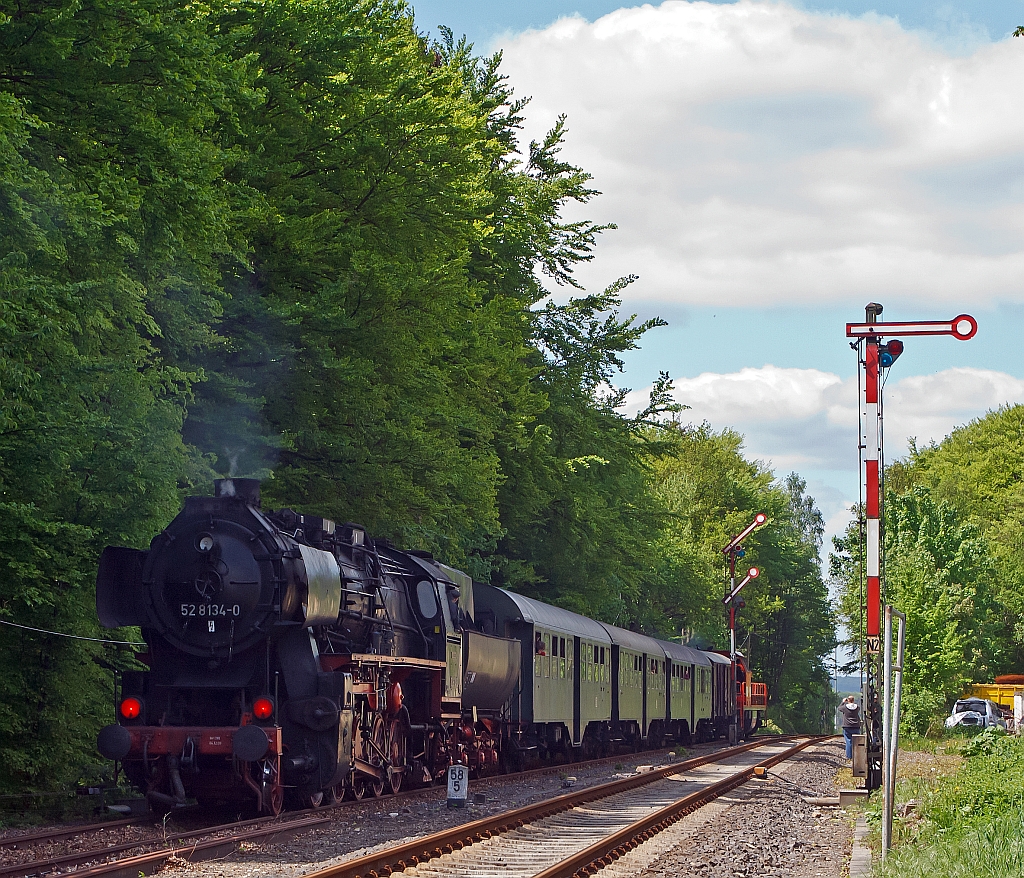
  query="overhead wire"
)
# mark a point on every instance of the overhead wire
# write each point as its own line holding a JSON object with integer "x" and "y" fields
{"x": 72, "y": 636}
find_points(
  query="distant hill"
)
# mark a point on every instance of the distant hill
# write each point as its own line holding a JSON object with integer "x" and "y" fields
{"x": 847, "y": 685}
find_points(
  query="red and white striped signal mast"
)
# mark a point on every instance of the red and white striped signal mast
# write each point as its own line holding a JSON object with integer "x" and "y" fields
{"x": 875, "y": 356}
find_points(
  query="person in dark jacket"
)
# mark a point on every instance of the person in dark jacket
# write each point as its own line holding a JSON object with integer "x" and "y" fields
{"x": 849, "y": 711}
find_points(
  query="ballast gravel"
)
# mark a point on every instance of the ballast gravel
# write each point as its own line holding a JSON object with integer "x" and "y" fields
{"x": 764, "y": 828}
{"x": 364, "y": 827}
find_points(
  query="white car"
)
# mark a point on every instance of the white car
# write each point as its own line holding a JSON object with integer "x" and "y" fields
{"x": 977, "y": 713}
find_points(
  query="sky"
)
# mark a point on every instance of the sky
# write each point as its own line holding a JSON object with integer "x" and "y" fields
{"x": 772, "y": 167}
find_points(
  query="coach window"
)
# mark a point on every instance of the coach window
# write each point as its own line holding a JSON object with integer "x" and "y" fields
{"x": 547, "y": 656}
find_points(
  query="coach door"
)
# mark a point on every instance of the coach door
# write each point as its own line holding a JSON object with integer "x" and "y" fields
{"x": 576, "y": 693}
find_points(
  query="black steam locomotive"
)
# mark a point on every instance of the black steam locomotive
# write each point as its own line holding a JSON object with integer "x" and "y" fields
{"x": 290, "y": 658}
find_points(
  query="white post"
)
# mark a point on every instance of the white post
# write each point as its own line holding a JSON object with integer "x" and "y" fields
{"x": 895, "y": 737}
{"x": 891, "y": 720}
{"x": 886, "y": 734}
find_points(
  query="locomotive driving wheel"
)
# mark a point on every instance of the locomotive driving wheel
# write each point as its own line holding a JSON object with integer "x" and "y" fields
{"x": 378, "y": 753}
{"x": 360, "y": 785}
{"x": 397, "y": 753}
{"x": 311, "y": 800}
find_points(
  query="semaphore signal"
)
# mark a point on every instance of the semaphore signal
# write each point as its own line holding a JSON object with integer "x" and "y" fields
{"x": 874, "y": 356}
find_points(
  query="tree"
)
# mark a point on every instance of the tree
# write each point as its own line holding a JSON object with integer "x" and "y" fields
{"x": 111, "y": 219}
{"x": 938, "y": 570}
{"x": 786, "y": 627}
{"x": 977, "y": 470}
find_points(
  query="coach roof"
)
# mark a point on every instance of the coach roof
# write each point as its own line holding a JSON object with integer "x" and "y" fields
{"x": 513, "y": 606}
{"x": 633, "y": 640}
{"x": 685, "y": 655}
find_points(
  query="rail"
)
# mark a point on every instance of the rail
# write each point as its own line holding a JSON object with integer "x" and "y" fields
{"x": 397, "y": 859}
{"x": 604, "y": 852}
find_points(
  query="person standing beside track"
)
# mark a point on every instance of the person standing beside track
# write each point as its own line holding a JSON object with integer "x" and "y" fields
{"x": 850, "y": 712}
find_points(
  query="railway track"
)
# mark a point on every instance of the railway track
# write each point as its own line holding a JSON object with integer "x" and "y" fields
{"x": 572, "y": 835}
{"x": 46, "y": 836}
{"x": 207, "y": 842}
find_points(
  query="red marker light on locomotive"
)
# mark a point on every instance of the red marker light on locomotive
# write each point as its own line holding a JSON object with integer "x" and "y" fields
{"x": 131, "y": 708}
{"x": 263, "y": 708}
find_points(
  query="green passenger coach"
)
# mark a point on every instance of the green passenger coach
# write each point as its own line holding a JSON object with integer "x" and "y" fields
{"x": 566, "y": 660}
{"x": 689, "y": 693}
{"x": 638, "y": 708}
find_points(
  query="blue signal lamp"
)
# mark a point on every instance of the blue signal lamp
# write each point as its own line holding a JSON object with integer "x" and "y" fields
{"x": 890, "y": 353}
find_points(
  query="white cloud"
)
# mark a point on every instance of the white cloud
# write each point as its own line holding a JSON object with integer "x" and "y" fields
{"x": 928, "y": 406}
{"x": 756, "y": 154}
{"x": 766, "y": 394}
{"x": 805, "y": 419}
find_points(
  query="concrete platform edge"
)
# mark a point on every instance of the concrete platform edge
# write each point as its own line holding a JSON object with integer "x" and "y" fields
{"x": 860, "y": 856}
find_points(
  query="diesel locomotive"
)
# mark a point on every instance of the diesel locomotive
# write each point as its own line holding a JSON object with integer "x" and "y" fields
{"x": 292, "y": 659}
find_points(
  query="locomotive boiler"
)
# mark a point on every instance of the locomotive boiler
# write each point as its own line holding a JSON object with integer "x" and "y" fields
{"x": 290, "y": 657}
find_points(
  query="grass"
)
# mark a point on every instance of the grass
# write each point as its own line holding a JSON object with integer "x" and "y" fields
{"x": 970, "y": 820}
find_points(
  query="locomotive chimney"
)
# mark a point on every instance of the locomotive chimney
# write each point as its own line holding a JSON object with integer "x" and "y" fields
{"x": 247, "y": 490}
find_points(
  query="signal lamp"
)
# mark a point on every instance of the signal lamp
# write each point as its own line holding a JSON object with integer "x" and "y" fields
{"x": 205, "y": 543}
{"x": 761, "y": 518}
{"x": 131, "y": 708}
{"x": 754, "y": 572}
{"x": 888, "y": 354}
{"x": 263, "y": 708}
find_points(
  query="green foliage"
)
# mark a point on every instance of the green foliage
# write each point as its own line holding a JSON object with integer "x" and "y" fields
{"x": 984, "y": 743}
{"x": 296, "y": 239}
{"x": 938, "y": 572}
{"x": 987, "y": 786}
{"x": 109, "y": 206}
{"x": 955, "y": 562}
{"x": 978, "y": 471}
{"x": 923, "y": 711}
{"x": 975, "y": 816}
{"x": 711, "y": 493}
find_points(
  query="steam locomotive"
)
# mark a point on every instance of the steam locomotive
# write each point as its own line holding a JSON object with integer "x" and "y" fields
{"x": 289, "y": 658}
